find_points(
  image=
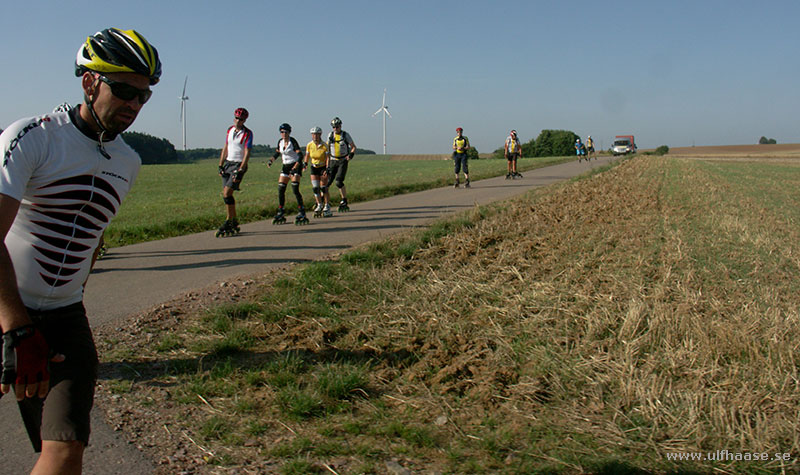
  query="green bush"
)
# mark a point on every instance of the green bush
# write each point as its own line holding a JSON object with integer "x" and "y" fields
{"x": 554, "y": 143}
{"x": 662, "y": 150}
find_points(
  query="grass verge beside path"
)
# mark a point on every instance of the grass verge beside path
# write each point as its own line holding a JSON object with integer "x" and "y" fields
{"x": 603, "y": 325}
{"x": 178, "y": 199}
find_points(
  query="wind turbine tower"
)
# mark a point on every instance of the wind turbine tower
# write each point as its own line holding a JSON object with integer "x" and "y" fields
{"x": 385, "y": 109}
{"x": 183, "y": 99}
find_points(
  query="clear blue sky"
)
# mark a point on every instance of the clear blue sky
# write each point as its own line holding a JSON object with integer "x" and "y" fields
{"x": 673, "y": 72}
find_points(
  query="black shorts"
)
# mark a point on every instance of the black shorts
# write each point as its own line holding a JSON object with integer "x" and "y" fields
{"x": 63, "y": 415}
{"x": 290, "y": 170}
{"x": 227, "y": 175}
{"x": 512, "y": 156}
{"x": 317, "y": 171}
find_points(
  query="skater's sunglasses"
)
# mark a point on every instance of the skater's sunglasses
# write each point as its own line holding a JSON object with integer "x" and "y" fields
{"x": 125, "y": 91}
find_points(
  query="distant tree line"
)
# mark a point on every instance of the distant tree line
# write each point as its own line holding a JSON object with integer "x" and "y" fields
{"x": 151, "y": 149}
{"x": 766, "y": 141}
{"x": 549, "y": 143}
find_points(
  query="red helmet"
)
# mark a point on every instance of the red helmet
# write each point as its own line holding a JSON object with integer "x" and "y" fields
{"x": 241, "y": 113}
{"x": 459, "y": 129}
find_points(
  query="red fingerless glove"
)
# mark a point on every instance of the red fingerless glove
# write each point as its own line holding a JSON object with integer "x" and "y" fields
{"x": 25, "y": 356}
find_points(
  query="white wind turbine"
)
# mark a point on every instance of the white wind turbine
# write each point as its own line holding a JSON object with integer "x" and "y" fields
{"x": 385, "y": 109}
{"x": 183, "y": 99}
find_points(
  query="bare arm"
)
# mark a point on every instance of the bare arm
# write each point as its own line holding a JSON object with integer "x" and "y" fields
{"x": 245, "y": 159}
{"x": 224, "y": 154}
{"x": 12, "y": 311}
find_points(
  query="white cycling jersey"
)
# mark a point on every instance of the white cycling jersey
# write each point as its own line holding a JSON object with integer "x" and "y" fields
{"x": 288, "y": 151}
{"x": 238, "y": 141}
{"x": 68, "y": 192}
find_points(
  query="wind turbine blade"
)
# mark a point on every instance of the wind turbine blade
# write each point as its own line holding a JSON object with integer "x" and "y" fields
{"x": 387, "y": 111}
{"x": 183, "y": 94}
{"x": 383, "y": 103}
{"x": 377, "y": 112}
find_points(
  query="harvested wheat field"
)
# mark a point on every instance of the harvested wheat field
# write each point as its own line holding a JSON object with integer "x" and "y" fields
{"x": 739, "y": 152}
{"x": 605, "y": 325}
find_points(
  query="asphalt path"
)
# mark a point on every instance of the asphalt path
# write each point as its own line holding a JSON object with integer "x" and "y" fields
{"x": 131, "y": 279}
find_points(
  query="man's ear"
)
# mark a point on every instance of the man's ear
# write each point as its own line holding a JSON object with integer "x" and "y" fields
{"x": 89, "y": 84}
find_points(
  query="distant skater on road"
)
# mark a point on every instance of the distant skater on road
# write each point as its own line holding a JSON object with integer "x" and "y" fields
{"x": 590, "y": 148}
{"x": 580, "y": 149}
{"x": 63, "y": 178}
{"x": 513, "y": 150}
{"x": 461, "y": 162}
{"x": 232, "y": 167}
{"x": 341, "y": 149}
{"x": 292, "y": 158}
{"x": 317, "y": 156}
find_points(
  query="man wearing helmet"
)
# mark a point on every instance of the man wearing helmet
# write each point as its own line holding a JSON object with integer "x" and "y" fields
{"x": 341, "y": 149}
{"x": 232, "y": 167}
{"x": 513, "y": 150}
{"x": 590, "y": 149}
{"x": 317, "y": 153}
{"x": 292, "y": 157}
{"x": 580, "y": 149}
{"x": 460, "y": 147}
{"x": 63, "y": 177}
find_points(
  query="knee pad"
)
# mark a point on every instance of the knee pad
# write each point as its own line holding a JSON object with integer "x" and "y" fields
{"x": 317, "y": 190}
{"x": 229, "y": 200}
{"x": 339, "y": 183}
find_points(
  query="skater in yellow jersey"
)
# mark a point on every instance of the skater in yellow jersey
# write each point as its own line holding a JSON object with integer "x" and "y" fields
{"x": 341, "y": 149}
{"x": 317, "y": 154}
{"x": 460, "y": 147}
{"x": 513, "y": 151}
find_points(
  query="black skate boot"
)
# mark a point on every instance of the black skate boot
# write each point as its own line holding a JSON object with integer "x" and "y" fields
{"x": 466, "y": 184}
{"x": 301, "y": 219}
{"x": 343, "y": 207}
{"x": 280, "y": 217}
{"x": 225, "y": 230}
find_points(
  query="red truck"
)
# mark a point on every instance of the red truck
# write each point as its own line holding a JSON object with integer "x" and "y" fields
{"x": 623, "y": 145}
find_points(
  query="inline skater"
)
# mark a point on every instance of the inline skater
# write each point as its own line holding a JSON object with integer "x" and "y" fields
{"x": 317, "y": 154}
{"x": 341, "y": 149}
{"x": 63, "y": 177}
{"x": 292, "y": 157}
{"x": 580, "y": 149}
{"x": 590, "y": 149}
{"x": 232, "y": 167}
{"x": 460, "y": 147}
{"x": 513, "y": 150}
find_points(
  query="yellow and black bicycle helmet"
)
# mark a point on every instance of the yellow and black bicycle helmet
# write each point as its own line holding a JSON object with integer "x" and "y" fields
{"x": 118, "y": 51}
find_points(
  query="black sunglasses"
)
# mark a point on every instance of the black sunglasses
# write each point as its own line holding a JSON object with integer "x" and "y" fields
{"x": 125, "y": 91}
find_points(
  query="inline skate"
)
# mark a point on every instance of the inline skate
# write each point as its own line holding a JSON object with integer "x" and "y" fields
{"x": 326, "y": 211}
{"x": 318, "y": 210}
{"x": 301, "y": 219}
{"x": 280, "y": 217}
{"x": 229, "y": 228}
{"x": 343, "y": 207}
